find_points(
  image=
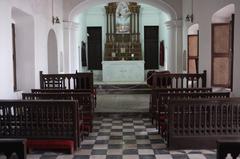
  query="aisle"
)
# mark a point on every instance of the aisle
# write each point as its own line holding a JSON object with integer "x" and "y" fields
{"x": 126, "y": 138}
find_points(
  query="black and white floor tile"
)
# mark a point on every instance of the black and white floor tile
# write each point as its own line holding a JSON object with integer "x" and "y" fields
{"x": 126, "y": 138}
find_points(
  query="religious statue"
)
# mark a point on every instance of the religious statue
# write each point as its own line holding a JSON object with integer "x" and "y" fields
{"x": 122, "y": 18}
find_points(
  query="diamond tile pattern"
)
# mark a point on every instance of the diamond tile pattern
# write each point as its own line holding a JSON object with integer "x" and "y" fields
{"x": 126, "y": 138}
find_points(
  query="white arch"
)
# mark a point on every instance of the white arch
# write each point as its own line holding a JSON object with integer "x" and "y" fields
{"x": 224, "y": 14}
{"x": 52, "y": 52}
{"x": 71, "y": 33}
{"x": 85, "y": 4}
{"x": 193, "y": 29}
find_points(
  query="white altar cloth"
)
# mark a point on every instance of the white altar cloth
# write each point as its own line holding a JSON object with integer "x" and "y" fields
{"x": 123, "y": 71}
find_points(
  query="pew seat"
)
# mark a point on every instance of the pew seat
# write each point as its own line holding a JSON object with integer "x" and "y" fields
{"x": 200, "y": 123}
{"x": 46, "y": 124}
{"x": 51, "y": 145}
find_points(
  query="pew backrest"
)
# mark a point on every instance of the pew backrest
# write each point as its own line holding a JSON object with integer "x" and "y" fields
{"x": 83, "y": 80}
{"x": 84, "y": 99}
{"x": 163, "y": 99}
{"x": 39, "y": 119}
{"x": 198, "y": 123}
{"x": 179, "y": 80}
{"x": 157, "y": 91}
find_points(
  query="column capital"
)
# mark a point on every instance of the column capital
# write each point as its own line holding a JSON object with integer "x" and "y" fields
{"x": 70, "y": 25}
{"x": 174, "y": 23}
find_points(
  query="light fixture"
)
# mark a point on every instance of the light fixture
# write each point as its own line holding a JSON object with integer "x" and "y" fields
{"x": 55, "y": 19}
{"x": 189, "y": 17}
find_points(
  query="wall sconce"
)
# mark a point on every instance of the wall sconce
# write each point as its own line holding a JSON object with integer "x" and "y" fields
{"x": 55, "y": 19}
{"x": 189, "y": 18}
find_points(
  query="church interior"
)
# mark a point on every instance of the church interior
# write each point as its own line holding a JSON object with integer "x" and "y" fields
{"x": 119, "y": 79}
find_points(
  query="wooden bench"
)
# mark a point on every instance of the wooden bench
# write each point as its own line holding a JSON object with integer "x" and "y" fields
{"x": 165, "y": 83}
{"x": 80, "y": 81}
{"x": 163, "y": 100}
{"x": 44, "y": 123}
{"x": 84, "y": 99}
{"x": 72, "y": 91}
{"x": 10, "y": 146}
{"x": 83, "y": 80}
{"x": 179, "y": 80}
{"x": 228, "y": 146}
{"x": 199, "y": 123}
{"x": 155, "y": 95}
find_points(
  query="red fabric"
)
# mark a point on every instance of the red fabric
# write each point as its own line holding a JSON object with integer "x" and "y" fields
{"x": 50, "y": 144}
{"x": 162, "y": 53}
{"x": 162, "y": 118}
{"x": 87, "y": 117}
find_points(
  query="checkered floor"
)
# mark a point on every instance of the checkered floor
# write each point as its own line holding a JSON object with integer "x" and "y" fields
{"x": 126, "y": 138}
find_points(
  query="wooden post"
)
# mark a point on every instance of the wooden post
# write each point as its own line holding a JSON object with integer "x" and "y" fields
{"x": 41, "y": 80}
{"x": 204, "y": 79}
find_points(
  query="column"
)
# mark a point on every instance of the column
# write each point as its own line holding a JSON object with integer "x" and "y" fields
{"x": 72, "y": 58}
{"x": 174, "y": 44}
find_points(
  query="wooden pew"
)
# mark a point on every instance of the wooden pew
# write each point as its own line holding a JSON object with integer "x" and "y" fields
{"x": 67, "y": 91}
{"x": 155, "y": 91}
{"x": 85, "y": 105}
{"x": 73, "y": 81}
{"x": 199, "y": 123}
{"x": 45, "y": 124}
{"x": 83, "y": 80}
{"x": 11, "y": 147}
{"x": 163, "y": 99}
{"x": 226, "y": 146}
{"x": 150, "y": 74}
{"x": 179, "y": 80}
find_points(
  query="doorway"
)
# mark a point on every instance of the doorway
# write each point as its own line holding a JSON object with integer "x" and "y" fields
{"x": 94, "y": 48}
{"x": 151, "y": 47}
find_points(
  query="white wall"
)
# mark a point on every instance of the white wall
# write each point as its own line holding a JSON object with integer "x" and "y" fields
{"x": 25, "y": 64}
{"x": 204, "y": 19}
{"x": 41, "y": 13}
{"x": 203, "y": 11}
{"x": 6, "y": 65}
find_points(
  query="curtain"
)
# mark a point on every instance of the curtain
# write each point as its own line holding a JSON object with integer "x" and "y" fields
{"x": 162, "y": 53}
{"x": 84, "y": 59}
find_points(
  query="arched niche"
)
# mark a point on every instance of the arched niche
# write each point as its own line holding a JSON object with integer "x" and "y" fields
{"x": 24, "y": 46}
{"x": 52, "y": 52}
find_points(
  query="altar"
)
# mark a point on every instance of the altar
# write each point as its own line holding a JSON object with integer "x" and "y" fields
{"x": 123, "y": 60}
{"x": 123, "y": 71}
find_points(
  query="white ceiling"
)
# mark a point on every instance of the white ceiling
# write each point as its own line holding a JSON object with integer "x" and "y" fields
{"x": 144, "y": 7}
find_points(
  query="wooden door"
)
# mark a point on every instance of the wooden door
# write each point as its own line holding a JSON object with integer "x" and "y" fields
{"x": 193, "y": 53}
{"x": 94, "y": 48}
{"x": 222, "y": 55}
{"x": 151, "y": 47}
{"x": 14, "y": 57}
